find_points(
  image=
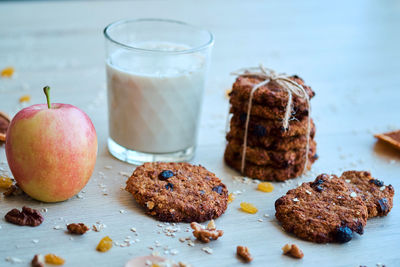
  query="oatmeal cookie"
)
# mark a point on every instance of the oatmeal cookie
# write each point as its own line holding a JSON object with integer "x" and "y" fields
{"x": 266, "y": 112}
{"x": 322, "y": 211}
{"x": 272, "y": 94}
{"x": 377, "y": 197}
{"x": 270, "y": 142}
{"x": 279, "y": 159}
{"x": 267, "y": 172}
{"x": 261, "y": 127}
{"x": 178, "y": 192}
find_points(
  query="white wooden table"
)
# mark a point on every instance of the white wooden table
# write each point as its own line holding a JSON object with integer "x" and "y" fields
{"x": 348, "y": 51}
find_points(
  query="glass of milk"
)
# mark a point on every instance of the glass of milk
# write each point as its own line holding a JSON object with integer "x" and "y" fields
{"x": 156, "y": 73}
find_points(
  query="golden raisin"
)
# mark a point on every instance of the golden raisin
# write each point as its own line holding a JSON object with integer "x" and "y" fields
{"x": 248, "y": 207}
{"x": 5, "y": 182}
{"x": 25, "y": 98}
{"x": 53, "y": 259}
{"x": 265, "y": 187}
{"x": 105, "y": 244}
{"x": 231, "y": 197}
{"x": 7, "y": 72}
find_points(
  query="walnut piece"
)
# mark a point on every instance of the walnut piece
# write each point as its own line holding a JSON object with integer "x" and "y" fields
{"x": 205, "y": 235}
{"x": 27, "y": 216}
{"x": 37, "y": 261}
{"x": 77, "y": 228}
{"x": 244, "y": 253}
{"x": 293, "y": 250}
{"x": 13, "y": 190}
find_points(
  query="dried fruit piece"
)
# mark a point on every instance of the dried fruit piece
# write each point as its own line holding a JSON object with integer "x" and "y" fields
{"x": 54, "y": 259}
{"x": 27, "y": 216}
{"x": 244, "y": 253}
{"x": 24, "y": 98}
{"x": 105, "y": 244}
{"x": 13, "y": 190}
{"x": 5, "y": 182}
{"x": 77, "y": 228}
{"x": 231, "y": 197}
{"x": 4, "y": 123}
{"x": 248, "y": 207}
{"x": 206, "y": 235}
{"x": 7, "y": 72}
{"x": 37, "y": 261}
{"x": 165, "y": 175}
{"x": 293, "y": 250}
{"x": 265, "y": 187}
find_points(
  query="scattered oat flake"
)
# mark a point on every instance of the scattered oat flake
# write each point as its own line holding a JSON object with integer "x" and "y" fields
{"x": 207, "y": 250}
{"x": 122, "y": 211}
{"x": 182, "y": 239}
{"x": 265, "y": 187}
{"x": 266, "y": 215}
{"x": 57, "y": 227}
{"x": 173, "y": 251}
{"x": 124, "y": 174}
{"x": 14, "y": 260}
{"x": 133, "y": 229}
{"x": 24, "y": 98}
{"x": 35, "y": 241}
{"x": 7, "y": 72}
{"x": 260, "y": 220}
{"x": 108, "y": 167}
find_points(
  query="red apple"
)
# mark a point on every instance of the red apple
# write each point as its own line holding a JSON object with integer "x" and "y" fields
{"x": 51, "y": 150}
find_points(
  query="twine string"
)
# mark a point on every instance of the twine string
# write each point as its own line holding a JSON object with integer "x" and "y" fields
{"x": 291, "y": 87}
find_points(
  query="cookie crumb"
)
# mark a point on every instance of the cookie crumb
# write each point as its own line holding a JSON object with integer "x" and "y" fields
{"x": 244, "y": 253}
{"x": 293, "y": 250}
{"x": 37, "y": 261}
{"x": 207, "y": 250}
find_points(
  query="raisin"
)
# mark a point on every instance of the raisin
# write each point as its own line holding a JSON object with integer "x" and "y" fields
{"x": 265, "y": 187}
{"x": 24, "y": 98}
{"x": 384, "y": 206}
{"x": 296, "y": 76}
{"x": 105, "y": 244}
{"x": 243, "y": 117}
{"x": 7, "y": 72}
{"x": 315, "y": 157}
{"x": 165, "y": 175}
{"x": 360, "y": 228}
{"x": 248, "y": 207}
{"x": 231, "y": 197}
{"x": 343, "y": 234}
{"x": 5, "y": 182}
{"x": 54, "y": 259}
{"x": 319, "y": 188}
{"x": 376, "y": 182}
{"x": 217, "y": 189}
{"x": 260, "y": 131}
{"x": 169, "y": 186}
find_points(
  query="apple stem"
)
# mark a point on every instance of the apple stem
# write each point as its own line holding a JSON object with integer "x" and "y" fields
{"x": 46, "y": 91}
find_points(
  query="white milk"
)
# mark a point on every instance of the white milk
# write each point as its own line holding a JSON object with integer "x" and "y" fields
{"x": 154, "y": 108}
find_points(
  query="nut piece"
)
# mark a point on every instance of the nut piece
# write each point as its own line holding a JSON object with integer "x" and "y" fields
{"x": 293, "y": 250}
{"x": 244, "y": 253}
{"x": 37, "y": 261}
{"x": 4, "y": 123}
{"x": 27, "y": 216}
{"x": 13, "y": 190}
{"x": 205, "y": 235}
{"x": 77, "y": 228}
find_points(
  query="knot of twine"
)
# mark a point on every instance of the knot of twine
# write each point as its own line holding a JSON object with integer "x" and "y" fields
{"x": 291, "y": 87}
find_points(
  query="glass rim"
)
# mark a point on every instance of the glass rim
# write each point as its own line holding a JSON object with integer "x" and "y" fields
{"x": 206, "y": 45}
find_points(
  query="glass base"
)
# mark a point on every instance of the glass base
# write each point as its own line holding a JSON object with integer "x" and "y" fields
{"x": 138, "y": 158}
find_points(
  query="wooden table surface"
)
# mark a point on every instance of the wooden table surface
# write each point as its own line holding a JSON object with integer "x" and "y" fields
{"x": 348, "y": 51}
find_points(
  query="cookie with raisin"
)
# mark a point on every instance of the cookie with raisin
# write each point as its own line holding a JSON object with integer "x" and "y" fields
{"x": 322, "y": 211}
{"x": 260, "y": 127}
{"x": 265, "y": 172}
{"x": 271, "y": 94}
{"x": 377, "y": 196}
{"x": 276, "y": 158}
{"x": 178, "y": 192}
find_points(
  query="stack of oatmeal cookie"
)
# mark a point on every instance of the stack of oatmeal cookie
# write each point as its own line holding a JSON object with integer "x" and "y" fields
{"x": 273, "y": 153}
